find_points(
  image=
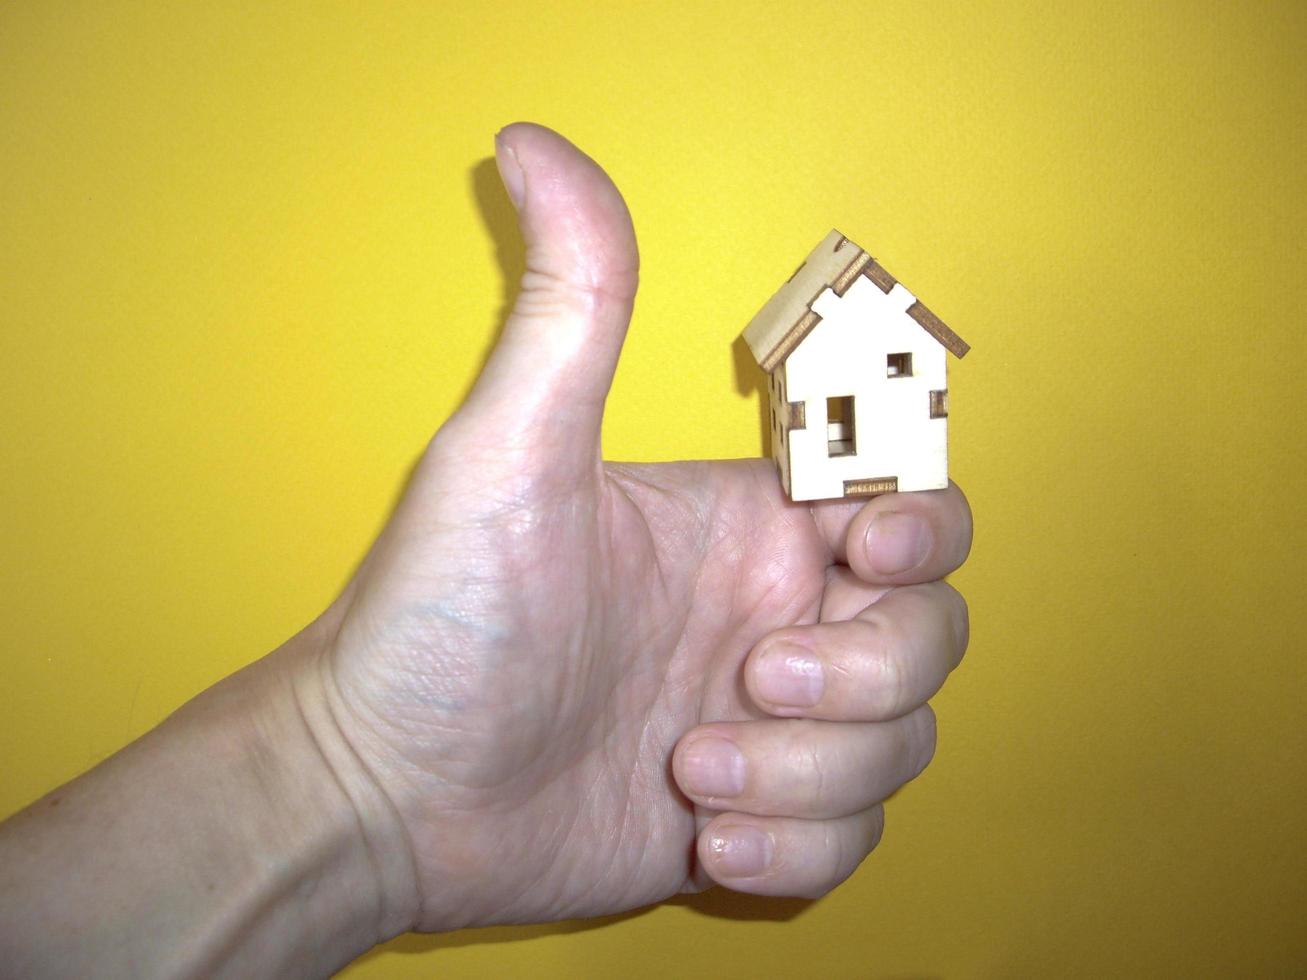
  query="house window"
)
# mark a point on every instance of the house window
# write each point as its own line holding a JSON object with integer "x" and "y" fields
{"x": 839, "y": 426}
{"x": 939, "y": 404}
{"x": 899, "y": 365}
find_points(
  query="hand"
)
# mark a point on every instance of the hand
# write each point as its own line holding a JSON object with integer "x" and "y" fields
{"x": 554, "y": 688}
{"x": 578, "y": 687}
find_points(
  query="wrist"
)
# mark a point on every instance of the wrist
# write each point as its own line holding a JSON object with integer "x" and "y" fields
{"x": 239, "y": 838}
{"x": 327, "y": 830}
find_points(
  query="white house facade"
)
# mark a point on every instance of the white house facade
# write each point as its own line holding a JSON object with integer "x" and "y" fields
{"x": 858, "y": 379}
{"x": 873, "y": 392}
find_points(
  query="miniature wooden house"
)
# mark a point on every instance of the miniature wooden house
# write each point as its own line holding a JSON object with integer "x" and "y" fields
{"x": 857, "y": 366}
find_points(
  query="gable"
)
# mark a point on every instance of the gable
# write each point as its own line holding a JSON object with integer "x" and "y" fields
{"x": 847, "y": 352}
{"x": 788, "y": 317}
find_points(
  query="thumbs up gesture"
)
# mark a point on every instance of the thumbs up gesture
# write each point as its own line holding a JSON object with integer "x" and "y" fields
{"x": 561, "y": 687}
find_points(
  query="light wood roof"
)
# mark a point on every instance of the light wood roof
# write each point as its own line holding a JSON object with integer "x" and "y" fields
{"x": 787, "y": 317}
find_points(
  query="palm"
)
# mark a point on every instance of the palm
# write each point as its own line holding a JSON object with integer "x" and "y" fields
{"x": 537, "y": 711}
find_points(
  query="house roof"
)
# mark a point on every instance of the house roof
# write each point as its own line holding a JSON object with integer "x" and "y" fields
{"x": 787, "y": 317}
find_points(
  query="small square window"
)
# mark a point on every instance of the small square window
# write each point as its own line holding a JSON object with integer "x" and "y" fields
{"x": 939, "y": 404}
{"x": 899, "y": 365}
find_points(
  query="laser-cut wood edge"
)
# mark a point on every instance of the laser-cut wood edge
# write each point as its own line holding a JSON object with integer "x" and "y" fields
{"x": 938, "y": 329}
{"x": 805, "y": 324}
{"x": 872, "y": 487}
{"x": 791, "y": 340}
{"x": 771, "y": 341}
{"x": 874, "y": 271}
{"x": 787, "y": 317}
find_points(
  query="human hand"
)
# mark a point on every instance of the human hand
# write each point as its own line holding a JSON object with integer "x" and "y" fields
{"x": 578, "y": 687}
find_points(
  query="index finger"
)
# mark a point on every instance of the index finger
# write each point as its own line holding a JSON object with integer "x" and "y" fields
{"x": 899, "y": 538}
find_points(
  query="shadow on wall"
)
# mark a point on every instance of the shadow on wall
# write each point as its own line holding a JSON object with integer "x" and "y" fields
{"x": 718, "y": 902}
{"x": 500, "y": 219}
{"x": 750, "y": 380}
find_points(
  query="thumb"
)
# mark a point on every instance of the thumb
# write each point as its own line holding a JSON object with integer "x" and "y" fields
{"x": 540, "y": 397}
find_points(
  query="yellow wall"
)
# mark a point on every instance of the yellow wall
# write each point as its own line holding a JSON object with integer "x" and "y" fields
{"x": 251, "y": 256}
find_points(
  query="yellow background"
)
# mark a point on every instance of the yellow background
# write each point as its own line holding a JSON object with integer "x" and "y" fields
{"x": 252, "y": 254}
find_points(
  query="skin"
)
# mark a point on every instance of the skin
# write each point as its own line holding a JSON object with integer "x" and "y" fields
{"x": 555, "y": 687}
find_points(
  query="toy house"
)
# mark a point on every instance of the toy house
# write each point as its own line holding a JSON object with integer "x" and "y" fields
{"x": 857, "y": 378}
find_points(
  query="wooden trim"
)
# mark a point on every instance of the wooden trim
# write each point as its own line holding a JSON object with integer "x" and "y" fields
{"x": 798, "y": 415}
{"x": 938, "y": 329}
{"x": 781, "y": 323}
{"x": 877, "y": 274}
{"x": 845, "y": 279}
{"x": 872, "y": 487}
{"x": 791, "y": 340}
{"x": 835, "y": 263}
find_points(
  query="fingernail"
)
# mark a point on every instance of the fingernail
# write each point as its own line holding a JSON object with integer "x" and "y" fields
{"x": 740, "y": 852}
{"x": 897, "y": 543}
{"x": 790, "y": 675}
{"x": 713, "y": 767}
{"x": 510, "y": 172}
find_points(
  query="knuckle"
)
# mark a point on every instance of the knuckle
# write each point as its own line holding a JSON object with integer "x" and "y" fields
{"x": 922, "y": 737}
{"x": 831, "y": 866}
{"x": 963, "y": 526}
{"x": 576, "y": 287}
{"x": 808, "y": 769}
{"x": 875, "y": 829}
{"x": 450, "y": 442}
{"x": 956, "y": 614}
{"x": 888, "y": 649}
{"x": 961, "y": 623}
{"x": 840, "y": 674}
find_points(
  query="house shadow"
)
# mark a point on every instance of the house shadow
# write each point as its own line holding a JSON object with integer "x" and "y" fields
{"x": 750, "y": 380}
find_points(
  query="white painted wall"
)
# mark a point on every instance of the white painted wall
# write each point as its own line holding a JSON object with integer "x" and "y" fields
{"x": 845, "y": 354}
